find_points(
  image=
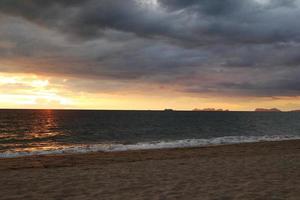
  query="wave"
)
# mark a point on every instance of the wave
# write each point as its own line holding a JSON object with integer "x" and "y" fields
{"x": 186, "y": 143}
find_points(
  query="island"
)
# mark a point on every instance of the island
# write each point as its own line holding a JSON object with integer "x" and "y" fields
{"x": 210, "y": 110}
{"x": 267, "y": 110}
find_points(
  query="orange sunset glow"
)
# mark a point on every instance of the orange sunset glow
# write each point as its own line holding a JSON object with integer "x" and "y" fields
{"x": 33, "y": 91}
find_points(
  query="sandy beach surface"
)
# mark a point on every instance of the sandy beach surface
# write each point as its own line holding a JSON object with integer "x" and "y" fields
{"x": 266, "y": 170}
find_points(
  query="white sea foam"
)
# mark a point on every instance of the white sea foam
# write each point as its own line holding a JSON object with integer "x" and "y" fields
{"x": 150, "y": 145}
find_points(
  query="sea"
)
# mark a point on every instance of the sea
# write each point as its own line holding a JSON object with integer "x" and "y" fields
{"x": 40, "y": 132}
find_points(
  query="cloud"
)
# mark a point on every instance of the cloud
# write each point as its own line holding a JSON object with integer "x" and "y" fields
{"x": 200, "y": 47}
{"x": 189, "y": 23}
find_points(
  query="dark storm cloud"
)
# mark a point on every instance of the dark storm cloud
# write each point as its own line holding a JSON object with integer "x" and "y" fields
{"x": 284, "y": 87}
{"x": 89, "y": 18}
{"x": 210, "y": 7}
{"x": 199, "y": 22}
{"x": 245, "y": 47}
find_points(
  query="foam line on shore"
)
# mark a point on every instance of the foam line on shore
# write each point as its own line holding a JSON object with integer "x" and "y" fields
{"x": 186, "y": 143}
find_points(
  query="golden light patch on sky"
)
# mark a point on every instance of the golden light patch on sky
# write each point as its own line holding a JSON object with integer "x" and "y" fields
{"x": 180, "y": 102}
{"x": 39, "y": 83}
{"x": 29, "y": 91}
{"x": 33, "y": 91}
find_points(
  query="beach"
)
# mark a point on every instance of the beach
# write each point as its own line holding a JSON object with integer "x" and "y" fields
{"x": 263, "y": 170}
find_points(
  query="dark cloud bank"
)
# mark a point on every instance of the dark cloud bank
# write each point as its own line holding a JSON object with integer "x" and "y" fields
{"x": 233, "y": 47}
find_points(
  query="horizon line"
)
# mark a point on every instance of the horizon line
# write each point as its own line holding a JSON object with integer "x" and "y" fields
{"x": 165, "y": 110}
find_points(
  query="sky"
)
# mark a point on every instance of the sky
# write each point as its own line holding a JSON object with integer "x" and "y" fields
{"x": 150, "y": 54}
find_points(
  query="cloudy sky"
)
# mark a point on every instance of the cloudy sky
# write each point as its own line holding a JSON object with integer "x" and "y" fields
{"x": 150, "y": 54}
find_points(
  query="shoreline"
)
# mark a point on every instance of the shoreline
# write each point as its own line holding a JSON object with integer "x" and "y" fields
{"x": 62, "y": 159}
{"x": 155, "y": 145}
{"x": 263, "y": 170}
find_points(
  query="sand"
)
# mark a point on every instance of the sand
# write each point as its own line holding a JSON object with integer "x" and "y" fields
{"x": 267, "y": 170}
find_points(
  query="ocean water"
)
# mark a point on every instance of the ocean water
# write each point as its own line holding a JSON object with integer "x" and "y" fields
{"x": 29, "y": 132}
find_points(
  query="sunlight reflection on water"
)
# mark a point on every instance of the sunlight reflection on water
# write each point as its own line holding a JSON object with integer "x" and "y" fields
{"x": 37, "y": 132}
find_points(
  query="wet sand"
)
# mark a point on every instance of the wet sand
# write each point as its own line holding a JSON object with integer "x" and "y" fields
{"x": 257, "y": 171}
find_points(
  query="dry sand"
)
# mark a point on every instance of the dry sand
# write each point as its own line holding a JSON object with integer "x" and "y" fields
{"x": 267, "y": 170}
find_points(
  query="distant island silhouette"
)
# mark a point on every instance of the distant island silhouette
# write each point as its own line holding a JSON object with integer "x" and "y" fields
{"x": 267, "y": 110}
{"x": 168, "y": 110}
{"x": 210, "y": 110}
